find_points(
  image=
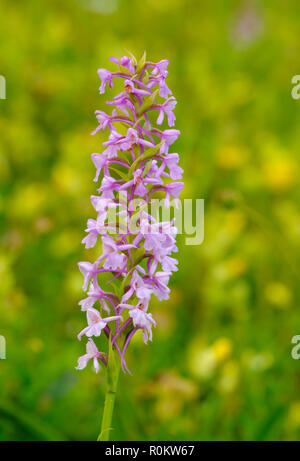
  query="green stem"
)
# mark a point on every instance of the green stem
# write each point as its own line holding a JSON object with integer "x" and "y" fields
{"x": 113, "y": 370}
{"x": 107, "y": 416}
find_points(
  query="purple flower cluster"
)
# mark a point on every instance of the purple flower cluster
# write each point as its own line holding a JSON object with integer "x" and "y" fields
{"x": 134, "y": 166}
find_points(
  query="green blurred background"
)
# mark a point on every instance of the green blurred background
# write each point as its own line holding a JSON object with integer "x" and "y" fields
{"x": 220, "y": 365}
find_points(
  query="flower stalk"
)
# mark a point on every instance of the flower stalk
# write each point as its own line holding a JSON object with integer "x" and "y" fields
{"x": 112, "y": 377}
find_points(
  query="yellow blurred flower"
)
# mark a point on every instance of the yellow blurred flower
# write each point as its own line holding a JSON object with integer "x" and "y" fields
{"x": 293, "y": 418}
{"x": 280, "y": 174}
{"x": 15, "y": 300}
{"x": 222, "y": 349}
{"x": 231, "y": 157}
{"x": 28, "y": 201}
{"x": 230, "y": 269}
{"x": 236, "y": 266}
{"x": 35, "y": 345}
{"x": 235, "y": 222}
{"x": 4, "y": 167}
{"x": 65, "y": 243}
{"x": 167, "y": 408}
{"x": 229, "y": 378}
{"x": 171, "y": 391}
{"x": 278, "y": 294}
{"x": 6, "y": 275}
{"x": 65, "y": 178}
{"x": 172, "y": 382}
{"x": 73, "y": 283}
{"x": 204, "y": 361}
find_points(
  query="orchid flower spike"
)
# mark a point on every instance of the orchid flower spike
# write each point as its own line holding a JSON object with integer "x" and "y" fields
{"x": 135, "y": 263}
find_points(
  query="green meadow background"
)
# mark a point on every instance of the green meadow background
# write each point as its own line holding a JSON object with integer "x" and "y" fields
{"x": 220, "y": 365}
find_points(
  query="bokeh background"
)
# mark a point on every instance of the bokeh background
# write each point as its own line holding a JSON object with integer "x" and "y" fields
{"x": 220, "y": 365}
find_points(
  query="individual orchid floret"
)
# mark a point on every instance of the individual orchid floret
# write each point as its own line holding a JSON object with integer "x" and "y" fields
{"x": 167, "y": 109}
{"x": 91, "y": 353}
{"x": 96, "y": 323}
{"x": 131, "y": 89}
{"x": 171, "y": 161}
{"x": 124, "y": 62}
{"x": 88, "y": 271}
{"x": 173, "y": 189}
{"x": 137, "y": 287}
{"x": 108, "y": 186}
{"x": 95, "y": 228}
{"x": 99, "y": 161}
{"x": 106, "y": 77}
{"x": 161, "y": 68}
{"x": 101, "y": 204}
{"x": 142, "y": 319}
{"x": 104, "y": 121}
{"x": 95, "y": 294}
{"x": 113, "y": 144}
{"x": 164, "y": 90}
{"x": 114, "y": 259}
{"x": 132, "y": 138}
{"x": 123, "y": 104}
{"x": 140, "y": 182}
{"x": 168, "y": 137}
